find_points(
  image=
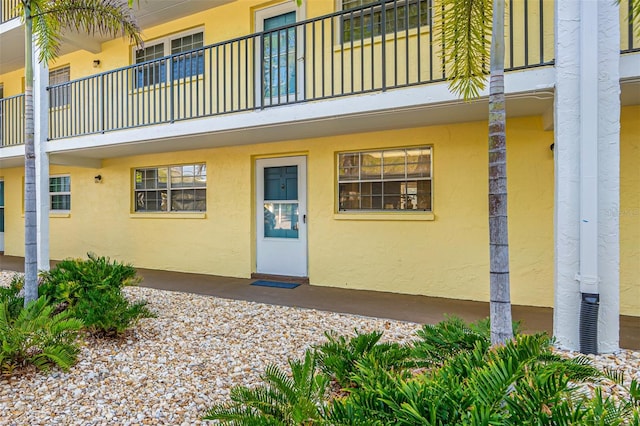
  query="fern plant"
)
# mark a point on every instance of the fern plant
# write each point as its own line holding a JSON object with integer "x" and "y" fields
{"x": 12, "y": 295}
{"x": 282, "y": 400}
{"x": 71, "y": 278}
{"x": 92, "y": 290}
{"x": 339, "y": 355}
{"x": 438, "y": 342}
{"x": 35, "y": 336}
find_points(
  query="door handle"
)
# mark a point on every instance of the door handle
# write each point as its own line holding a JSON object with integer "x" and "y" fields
{"x": 304, "y": 218}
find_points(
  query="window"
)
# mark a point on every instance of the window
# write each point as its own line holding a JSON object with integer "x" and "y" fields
{"x": 399, "y": 15}
{"x": 60, "y": 193}
{"x": 189, "y": 64}
{"x": 59, "y": 95}
{"x": 151, "y": 73}
{"x": 171, "y": 188}
{"x": 393, "y": 179}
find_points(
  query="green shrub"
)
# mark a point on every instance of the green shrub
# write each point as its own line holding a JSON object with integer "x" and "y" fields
{"x": 70, "y": 279}
{"x": 35, "y": 336}
{"x": 108, "y": 313}
{"x": 283, "y": 400}
{"x": 520, "y": 383}
{"x": 92, "y": 290}
{"x": 468, "y": 382}
{"x": 11, "y": 295}
{"x": 339, "y": 356}
{"x": 438, "y": 342}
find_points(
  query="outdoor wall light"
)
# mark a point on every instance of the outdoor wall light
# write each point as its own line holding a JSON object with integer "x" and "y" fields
{"x": 96, "y": 63}
{"x": 98, "y": 179}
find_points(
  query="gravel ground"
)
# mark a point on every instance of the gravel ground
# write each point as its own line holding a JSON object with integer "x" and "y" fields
{"x": 168, "y": 370}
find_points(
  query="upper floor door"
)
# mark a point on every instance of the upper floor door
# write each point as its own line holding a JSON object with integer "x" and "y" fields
{"x": 280, "y": 55}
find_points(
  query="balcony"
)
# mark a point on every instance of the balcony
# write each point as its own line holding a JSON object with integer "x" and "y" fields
{"x": 375, "y": 48}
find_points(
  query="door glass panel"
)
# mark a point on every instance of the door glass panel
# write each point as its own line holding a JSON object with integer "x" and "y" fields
{"x": 278, "y": 56}
{"x": 281, "y": 202}
{"x": 281, "y": 220}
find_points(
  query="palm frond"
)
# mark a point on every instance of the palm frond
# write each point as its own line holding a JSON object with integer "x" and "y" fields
{"x": 102, "y": 17}
{"x": 463, "y": 28}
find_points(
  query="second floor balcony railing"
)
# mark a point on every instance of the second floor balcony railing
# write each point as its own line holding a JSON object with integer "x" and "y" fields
{"x": 8, "y": 10}
{"x": 385, "y": 45}
{"x": 12, "y": 121}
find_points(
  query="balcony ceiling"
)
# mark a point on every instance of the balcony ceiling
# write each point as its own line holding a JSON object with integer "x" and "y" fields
{"x": 149, "y": 13}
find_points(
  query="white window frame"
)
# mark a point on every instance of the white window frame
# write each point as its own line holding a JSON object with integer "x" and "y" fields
{"x": 356, "y": 14}
{"x": 166, "y": 46}
{"x": 403, "y": 199}
{"x": 60, "y": 96}
{"x": 52, "y": 194}
{"x": 167, "y": 190}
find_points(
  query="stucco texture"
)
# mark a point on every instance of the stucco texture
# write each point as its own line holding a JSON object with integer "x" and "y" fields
{"x": 444, "y": 254}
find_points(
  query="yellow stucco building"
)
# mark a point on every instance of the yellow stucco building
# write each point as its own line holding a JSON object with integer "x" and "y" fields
{"x": 320, "y": 141}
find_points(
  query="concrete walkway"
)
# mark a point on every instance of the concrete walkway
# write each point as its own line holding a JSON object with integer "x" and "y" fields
{"x": 420, "y": 309}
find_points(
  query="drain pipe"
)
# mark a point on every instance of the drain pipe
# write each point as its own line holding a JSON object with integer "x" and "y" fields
{"x": 588, "y": 275}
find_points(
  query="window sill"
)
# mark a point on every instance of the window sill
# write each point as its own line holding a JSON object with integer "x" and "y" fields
{"x": 59, "y": 214}
{"x": 384, "y": 216}
{"x": 168, "y": 215}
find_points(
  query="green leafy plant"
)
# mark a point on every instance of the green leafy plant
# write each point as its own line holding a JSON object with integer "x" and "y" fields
{"x": 522, "y": 382}
{"x": 438, "y": 342}
{"x": 339, "y": 356}
{"x": 283, "y": 400}
{"x": 467, "y": 382}
{"x": 71, "y": 278}
{"x": 92, "y": 290}
{"x": 11, "y": 295}
{"x": 35, "y": 336}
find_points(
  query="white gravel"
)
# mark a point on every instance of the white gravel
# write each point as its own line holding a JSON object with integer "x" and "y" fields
{"x": 169, "y": 369}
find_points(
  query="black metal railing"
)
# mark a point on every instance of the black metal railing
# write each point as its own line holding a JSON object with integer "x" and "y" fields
{"x": 8, "y": 10}
{"x": 381, "y": 46}
{"x": 12, "y": 121}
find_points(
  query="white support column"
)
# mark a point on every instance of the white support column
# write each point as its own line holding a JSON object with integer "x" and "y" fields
{"x": 41, "y": 125}
{"x": 587, "y": 138}
{"x": 609, "y": 176}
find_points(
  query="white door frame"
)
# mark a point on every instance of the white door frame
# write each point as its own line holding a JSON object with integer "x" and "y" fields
{"x": 282, "y": 256}
{"x": 260, "y": 16}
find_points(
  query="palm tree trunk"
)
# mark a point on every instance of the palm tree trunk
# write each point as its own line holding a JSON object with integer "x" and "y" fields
{"x": 500, "y": 304}
{"x": 30, "y": 234}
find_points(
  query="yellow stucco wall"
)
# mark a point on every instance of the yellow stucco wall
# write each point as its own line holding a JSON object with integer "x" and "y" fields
{"x": 443, "y": 257}
{"x": 629, "y": 210}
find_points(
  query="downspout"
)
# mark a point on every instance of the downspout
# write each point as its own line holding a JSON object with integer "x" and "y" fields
{"x": 588, "y": 275}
